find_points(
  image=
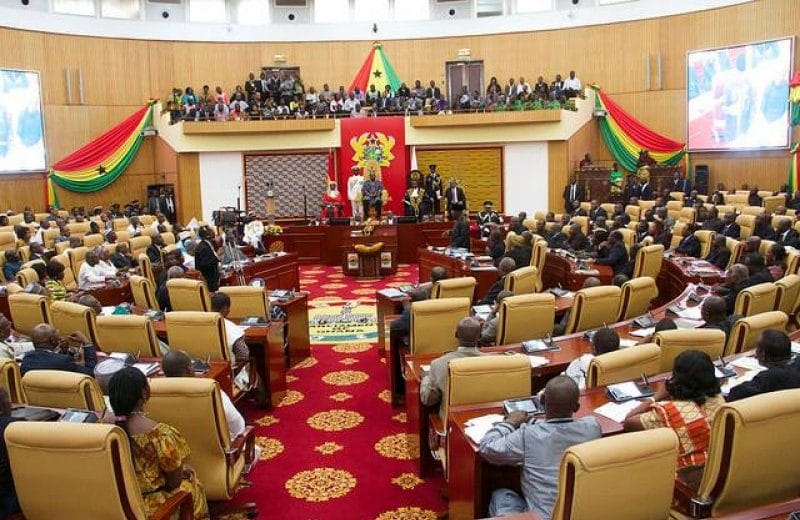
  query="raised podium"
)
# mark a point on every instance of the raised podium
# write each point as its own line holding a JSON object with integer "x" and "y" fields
{"x": 596, "y": 185}
{"x": 372, "y": 255}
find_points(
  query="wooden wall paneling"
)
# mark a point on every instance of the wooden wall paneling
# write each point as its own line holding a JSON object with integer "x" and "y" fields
{"x": 586, "y": 140}
{"x": 18, "y": 191}
{"x": 479, "y": 171}
{"x": 188, "y": 188}
{"x": 557, "y": 174}
{"x": 161, "y": 67}
{"x": 165, "y": 159}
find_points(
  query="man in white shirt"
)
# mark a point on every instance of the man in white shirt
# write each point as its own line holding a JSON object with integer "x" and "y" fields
{"x": 135, "y": 227}
{"x": 572, "y": 86}
{"x": 91, "y": 272}
{"x": 350, "y": 103}
{"x": 104, "y": 264}
{"x": 604, "y": 340}
{"x": 521, "y": 86}
{"x": 221, "y": 112}
{"x": 221, "y": 303}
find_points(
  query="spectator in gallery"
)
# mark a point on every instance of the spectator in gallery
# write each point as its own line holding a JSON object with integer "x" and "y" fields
{"x": 350, "y": 102}
{"x": 205, "y": 96}
{"x": 432, "y": 92}
{"x": 464, "y": 100}
{"x": 494, "y": 87}
{"x": 418, "y": 89}
{"x": 337, "y": 105}
{"x": 403, "y": 91}
{"x": 189, "y": 102}
{"x": 325, "y": 95}
{"x": 312, "y": 98}
{"x": 175, "y": 113}
{"x": 540, "y": 88}
{"x": 221, "y": 112}
{"x": 220, "y": 96}
{"x": 522, "y": 86}
{"x": 557, "y": 88}
{"x": 572, "y": 86}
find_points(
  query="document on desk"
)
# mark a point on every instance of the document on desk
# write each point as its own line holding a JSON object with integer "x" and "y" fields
{"x": 477, "y": 427}
{"x": 643, "y": 333}
{"x": 616, "y": 411}
{"x": 537, "y": 361}
{"x": 108, "y": 310}
{"x": 391, "y": 292}
{"x": 683, "y": 323}
{"x": 747, "y": 363}
{"x": 627, "y": 389}
{"x": 691, "y": 313}
{"x": 626, "y": 343}
{"x": 744, "y": 378}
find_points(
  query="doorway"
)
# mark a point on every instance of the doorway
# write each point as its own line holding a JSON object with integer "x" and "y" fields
{"x": 460, "y": 74}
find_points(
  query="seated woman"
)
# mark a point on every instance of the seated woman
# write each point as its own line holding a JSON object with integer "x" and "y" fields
{"x": 496, "y": 246}
{"x": 158, "y": 450}
{"x": 687, "y": 405}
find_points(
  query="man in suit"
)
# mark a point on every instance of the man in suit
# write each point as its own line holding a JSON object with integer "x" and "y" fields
{"x": 577, "y": 210}
{"x": 596, "y": 211}
{"x": 682, "y": 185}
{"x": 728, "y": 291}
{"x": 557, "y": 239}
{"x": 774, "y": 351}
{"x": 757, "y": 270}
{"x": 205, "y": 258}
{"x": 646, "y": 191}
{"x": 689, "y": 244}
{"x": 616, "y": 255}
{"x": 577, "y": 240}
{"x": 632, "y": 190}
{"x": 719, "y": 254}
{"x": 47, "y": 356}
{"x": 433, "y": 189}
{"x": 506, "y": 266}
{"x": 459, "y": 235}
{"x": 572, "y": 192}
{"x": 786, "y": 236}
{"x": 619, "y": 211}
{"x": 456, "y": 201}
{"x": 712, "y": 221}
{"x": 763, "y": 229}
{"x": 714, "y": 315}
{"x": 730, "y": 228}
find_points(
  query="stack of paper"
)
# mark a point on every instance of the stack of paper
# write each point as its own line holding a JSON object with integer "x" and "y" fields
{"x": 691, "y": 313}
{"x": 795, "y": 347}
{"x": 683, "y": 323}
{"x": 476, "y": 428}
{"x": 628, "y": 389}
{"x": 537, "y": 361}
{"x": 147, "y": 368}
{"x": 625, "y": 343}
{"x": 391, "y": 292}
{"x": 734, "y": 381}
{"x": 616, "y": 411}
{"x": 747, "y": 363}
{"x": 108, "y": 311}
{"x": 643, "y": 333}
{"x": 482, "y": 311}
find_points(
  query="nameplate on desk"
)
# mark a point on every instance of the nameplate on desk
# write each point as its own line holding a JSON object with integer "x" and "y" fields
{"x": 539, "y": 345}
{"x": 617, "y": 412}
{"x": 530, "y": 405}
{"x": 146, "y": 368}
{"x": 391, "y": 292}
{"x": 622, "y": 392}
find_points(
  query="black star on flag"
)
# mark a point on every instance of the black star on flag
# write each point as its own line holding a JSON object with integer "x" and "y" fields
{"x": 101, "y": 170}
{"x": 377, "y": 73}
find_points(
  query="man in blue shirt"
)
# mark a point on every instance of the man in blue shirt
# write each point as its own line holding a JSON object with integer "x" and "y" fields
{"x": 47, "y": 352}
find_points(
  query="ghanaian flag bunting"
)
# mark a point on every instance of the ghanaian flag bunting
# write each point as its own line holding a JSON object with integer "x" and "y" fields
{"x": 794, "y": 98}
{"x": 376, "y": 70}
{"x": 794, "y": 168}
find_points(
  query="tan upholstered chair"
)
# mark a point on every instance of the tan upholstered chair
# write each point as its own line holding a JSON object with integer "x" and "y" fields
{"x": 584, "y": 223}
{"x": 463, "y": 287}
{"x": 788, "y": 294}
{"x": 648, "y": 261}
{"x": 776, "y": 219}
{"x": 130, "y": 334}
{"x": 70, "y": 281}
{"x": 593, "y": 307}
{"x": 121, "y": 224}
{"x": 687, "y": 216}
{"x": 623, "y": 365}
{"x": 642, "y": 464}
{"x": 724, "y": 210}
{"x": 765, "y": 246}
{"x": 168, "y": 238}
{"x": 674, "y": 208}
{"x": 27, "y": 311}
{"x": 26, "y": 275}
{"x": 635, "y": 212}
{"x": 752, "y": 210}
{"x": 16, "y": 219}
{"x": 146, "y": 220}
{"x": 144, "y": 295}
{"x": 756, "y": 299}
{"x": 746, "y": 331}
{"x": 124, "y": 236}
{"x": 433, "y": 324}
{"x": 24, "y": 252}
{"x": 677, "y": 235}
{"x": 646, "y": 204}
{"x": 747, "y": 223}
{"x": 747, "y": 463}
{"x": 77, "y": 257}
{"x": 62, "y": 389}
{"x": 677, "y": 195}
{"x": 89, "y": 467}
{"x": 792, "y": 262}
{"x": 49, "y": 236}
{"x": 706, "y": 238}
{"x": 525, "y": 316}
{"x": 735, "y": 247}
{"x": 673, "y": 342}
{"x": 530, "y": 224}
{"x": 92, "y": 241}
{"x": 522, "y": 280}
{"x": 139, "y": 245}
{"x": 11, "y": 380}
{"x": 636, "y": 297}
{"x": 247, "y": 301}
{"x": 184, "y": 328}
{"x": 194, "y": 407}
{"x": 61, "y": 248}
{"x": 68, "y": 317}
{"x": 186, "y": 294}
{"x": 146, "y": 267}
{"x": 772, "y": 202}
{"x": 78, "y": 229}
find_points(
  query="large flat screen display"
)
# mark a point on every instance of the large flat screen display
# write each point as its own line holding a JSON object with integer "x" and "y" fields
{"x": 21, "y": 122}
{"x": 738, "y": 97}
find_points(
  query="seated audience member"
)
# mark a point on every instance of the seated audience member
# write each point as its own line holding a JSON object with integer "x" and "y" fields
{"x": 617, "y": 255}
{"x": 104, "y": 261}
{"x": 730, "y": 228}
{"x": 619, "y": 279}
{"x": 687, "y": 405}
{"x": 188, "y": 253}
{"x": 577, "y": 241}
{"x": 756, "y": 270}
{"x": 154, "y": 249}
{"x": 763, "y": 229}
{"x": 91, "y": 272}
{"x": 661, "y": 234}
{"x": 518, "y": 251}
{"x": 642, "y": 231}
{"x": 162, "y": 293}
{"x": 13, "y": 264}
{"x": 221, "y": 303}
{"x": 557, "y": 238}
{"x": 712, "y": 221}
{"x": 785, "y": 235}
{"x": 489, "y": 327}
{"x": 537, "y": 446}
{"x": 122, "y": 259}
{"x": 773, "y": 351}
{"x": 495, "y": 245}
{"x": 714, "y": 314}
{"x": 437, "y": 273}
{"x": 776, "y": 261}
{"x": 158, "y": 450}
{"x": 735, "y": 277}
{"x": 619, "y": 211}
{"x": 753, "y": 199}
{"x": 604, "y": 340}
{"x": 577, "y": 210}
{"x": 6, "y": 351}
{"x": 559, "y": 327}
{"x": 689, "y": 244}
{"x": 23, "y": 235}
{"x": 752, "y": 245}
{"x": 87, "y": 300}
{"x": 665, "y": 324}
{"x": 515, "y": 225}
{"x": 135, "y": 227}
{"x": 434, "y": 383}
{"x": 595, "y": 210}
{"x": 50, "y": 353}
{"x": 9, "y": 506}
{"x": 506, "y": 266}
{"x": 402, "y": 323}
{"x": 719, "y": 254}
{"x": 56, "y": 289}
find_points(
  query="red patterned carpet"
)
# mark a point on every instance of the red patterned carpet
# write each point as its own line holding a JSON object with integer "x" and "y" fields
{"x": 334, "y": 448}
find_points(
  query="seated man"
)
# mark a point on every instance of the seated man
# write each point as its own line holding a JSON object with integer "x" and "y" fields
{"x": 91, "y": 272}
{"x": 489, "y": 327}
{"x": 604, "y": 340}
{"x": 730, "y": 228}
{"x": 12, "y": 265}
{"x": 719, "y": 254}
{"x": 715, "y": 316}
{"x": 518, "y": 250}
{"x": 735, "y": 277}
{"x": 557, "y": 239}
{"x": 221, "y": 303}
{"x": 122, "y": 259}
{"x": 434, "y": 383}
{"x": 773, "y": 351}
{"x": 104, "y": 261}
{"x": 757, "y": 270}
{"x": 559, "y": 328}
{"x": 537, "y": 446}
{"x": 786, "y": 236}
{"x": 689, "y": 244}
{"x": 51, "y": 353}
{"x": 87, "y": 300}
{"x": 577, "y": 241}
{"x": 506, "y": 266}
{"x": 402, "y": 324}
{"x": 616, "y": 255}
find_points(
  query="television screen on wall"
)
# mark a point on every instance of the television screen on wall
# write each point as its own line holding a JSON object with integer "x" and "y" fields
{"x": 21, "y": 122}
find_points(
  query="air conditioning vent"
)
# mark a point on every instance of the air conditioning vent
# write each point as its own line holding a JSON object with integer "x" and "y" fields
{"x": 172, "y": 2}
{"x": 291, "y": 3}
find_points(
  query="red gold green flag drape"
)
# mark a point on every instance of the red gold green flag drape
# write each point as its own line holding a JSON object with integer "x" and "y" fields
{"x": 376, "y": 70}
{"x": 99, "y": 163}
{"x": 794, "y": 98}
{"x": 794, "y": 168}
{"x": 626, "y": 137}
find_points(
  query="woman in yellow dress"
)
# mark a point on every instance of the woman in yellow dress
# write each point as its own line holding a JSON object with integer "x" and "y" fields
{"x": 158, "y": 450}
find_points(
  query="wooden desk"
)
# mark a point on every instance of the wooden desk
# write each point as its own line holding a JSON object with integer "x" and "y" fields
{"x": 563, "y": 271}
{"x": 278, "y": 272}
{"x": 677, "y": 271}
{"x": 296, "y": 309}
{"x": 370, "y": 265}
{"x": 486, "y": 275}
{"x": 109, "y": 295}
{"x": 386, "y": 307}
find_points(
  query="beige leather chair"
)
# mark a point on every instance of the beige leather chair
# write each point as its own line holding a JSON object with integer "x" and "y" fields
{"x": 752, "y": 210}
{"x": 62, "y": 389}
{"x": 792, "y": 262}
{"x": 772, "y": 202}
{"x": 628, "y": 237}
{"x": 184, "y": 328}
{"x": 765, "y": 246}
{"x": 194, "y": 407}
{"x": 673, "y": 342}
{"x": 92, "y": 241}
{"x": 646, "y": 204}
{"x": 49, "y": 236}
{"x": 168, "y": 238}
{"x": 11, "y": 380}
{"x": 68, "y": 317}
{"x": 724, "y": 210}
{"x": 746, "y": 331}
{"x": 186, "y": 294}
{"x": 584, "y": 223}
{"x": 77, "y": 257}
{"x": 776, "y": 219}
{"x": 635, "y": 212}
{"x": 735, "y": 247}
{"x": 39, "y": 217}
{"x": 593, "y": 307}
{"x": 463, "y": 287}
{"x": 635, "y": 472}
{"x": 525, "y": 316}
{"x": 121, "y": 224}
{"x": 648, "y": 261}
{"x": 677, "y": 235}
{"x": 124, "y": 236}
{"x": 788, "y": 294}
{"x": 637, "y": 294}
{"x": 26, "y": 275}
{"x": 706, "y": 238}
{"x": 247, "y": 301}
{"x": 144, "y": 294}
{"x": 433, "y": 324}
{"x": 61, "y": 248}
{"x": 747, "y": 223}
{"x": 88, "y": 466}
{"x": 70, "y": 280}
{"x": 146, "y": 220}
{"x": 623, "y": 365}
{"x": 24, "y": 252}
{"x": 27, "y": 311}
{"x": 677, "y": 195}
{"x": 146, "y": 268}
{"x": 78, "y": 229}
{"x": 16, "y": 219}
{"x": 131, "y": 334}
{"x": 749, "y": 463}
{"x": 756, "y": 299}
{"x": 522, "y": 280}
{"x": 687, "y": 216}
{"x": 674, "y": 208}
{"x": 139, "y": 245}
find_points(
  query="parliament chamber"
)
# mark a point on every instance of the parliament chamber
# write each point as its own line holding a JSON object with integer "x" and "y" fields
{"x": 399, "y": 259}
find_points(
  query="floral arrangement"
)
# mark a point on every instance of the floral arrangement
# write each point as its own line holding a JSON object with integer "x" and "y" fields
{"x": 273, "y": 229}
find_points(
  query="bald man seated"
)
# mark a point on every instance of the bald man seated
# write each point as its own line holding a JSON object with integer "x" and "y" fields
{"x": 506, "y": 266}
{"x": 432, "y": 387}
{"x": 537, "y": 445}
{"x": 74, "y": 353}
{"x": 715, "y": 315}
